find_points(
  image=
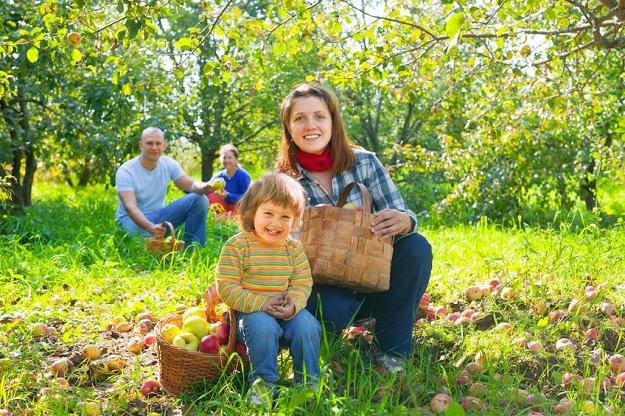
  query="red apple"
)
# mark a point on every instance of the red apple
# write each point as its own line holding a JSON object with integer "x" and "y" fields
{"x": 61, "y": 367}
{"x": 462, "y": 321}
{"x": 607, "y": 308}
{"x": 209, "y": 344}
{"x": 620, "y": 380}
{"x": 592, "y": 333}
{"x": 494, "y": 284}
{"x": 556, "y": 316}
{"x": 39, "y": 329}
{"x": 562, "y": 407}
{"x": 453, "y": 316}
{"x": 150, "y": 338}
{"x": 590, "y": 294}
{"x": 617, "y": 363}
{"x": 534, "y": 346}
{"x": 563, "y": 343}
{"x": 425, "y": 301}
{"x": 241, "y": 349}
{"x": 223, "y": 333}
{"x": 473, "y": 404}
{"x": 503, "y": 327}
{"x": 430, "y": 312}
{"x": 150, "y": 387}
{"x": 145, "y": 315}
{"x": 440, "y": 311}
{"x": 440, "y": 402}
{"x": 467, "y": 313}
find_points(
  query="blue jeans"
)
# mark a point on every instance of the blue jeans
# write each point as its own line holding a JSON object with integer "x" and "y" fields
{"x": 263, "y": 335}
{"x": 190, "y": 209}
{"x": 393, "y": 310}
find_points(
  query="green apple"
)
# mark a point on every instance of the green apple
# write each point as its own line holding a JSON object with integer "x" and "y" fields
{"x": 90, "y": 352}
{"x": 169, "y": 331}
{"x": 186, "y": 341}
{"x": 114, "y": 362}
{"x": 194, "y": 310}
{"x": 349, "y": 205}
{"x": 196, "y": 325}
{"x": 219, "y": 184}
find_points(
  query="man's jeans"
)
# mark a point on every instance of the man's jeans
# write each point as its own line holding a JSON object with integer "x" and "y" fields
{"x": 190, "y": 209}
{"x": 263, "y": 335}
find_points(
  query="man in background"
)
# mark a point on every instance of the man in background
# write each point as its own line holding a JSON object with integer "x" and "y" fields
{"x": 142, "y": 184}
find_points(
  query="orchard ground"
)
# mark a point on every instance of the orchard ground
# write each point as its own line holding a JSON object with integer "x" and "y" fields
{"x": 542, "y": 332}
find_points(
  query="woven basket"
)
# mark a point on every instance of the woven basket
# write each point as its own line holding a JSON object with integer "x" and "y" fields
{"x": 341, "y": 249}
{"x": 164, "y": 245}
{"x": 180, "y": 368}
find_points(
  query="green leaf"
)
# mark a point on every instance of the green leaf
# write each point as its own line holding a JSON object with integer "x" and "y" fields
{"x": 76, "y": 55}
{"x": 32, "y": 55}
{"x": 455, "y": 409}
{"x": 302, "y": 397}
{"x": 454, "y": 24}
{"x": 278, "y": 49}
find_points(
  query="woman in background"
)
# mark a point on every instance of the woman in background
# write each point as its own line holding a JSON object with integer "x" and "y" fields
{"x": 235, "y": 179}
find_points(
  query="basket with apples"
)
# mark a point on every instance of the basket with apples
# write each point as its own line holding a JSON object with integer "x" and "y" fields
{"x": 197, "y": 345}
{"x": 164, "y": 245}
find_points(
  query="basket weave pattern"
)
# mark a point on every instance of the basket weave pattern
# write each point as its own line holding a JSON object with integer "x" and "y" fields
{"x": 163, "y": 246}
{"x": 341, "y": 249}
{"x": 180, "y": 368}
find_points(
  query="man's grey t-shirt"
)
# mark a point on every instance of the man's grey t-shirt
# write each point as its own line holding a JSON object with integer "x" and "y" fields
{"x": 149, "y": 186}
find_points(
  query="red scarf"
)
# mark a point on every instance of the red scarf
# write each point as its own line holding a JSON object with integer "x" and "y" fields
{"x": 315, "y": 163}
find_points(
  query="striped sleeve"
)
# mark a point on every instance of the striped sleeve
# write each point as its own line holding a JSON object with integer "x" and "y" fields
{"x": 229, "y": 274}
{"x": 300, "y": 283}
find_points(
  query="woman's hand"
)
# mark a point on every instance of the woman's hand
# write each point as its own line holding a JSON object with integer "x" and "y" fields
{"x": 389, "y": 223}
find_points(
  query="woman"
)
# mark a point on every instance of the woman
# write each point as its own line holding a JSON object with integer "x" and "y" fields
{"x": 315, "y": 149}
{"x": 235, "y": 180}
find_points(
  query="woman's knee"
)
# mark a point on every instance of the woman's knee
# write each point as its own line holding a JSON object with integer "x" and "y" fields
{"x": 413, "y": 248}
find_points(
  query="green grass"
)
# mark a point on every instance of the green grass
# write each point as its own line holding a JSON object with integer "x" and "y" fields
{"x": 64, "y": 263}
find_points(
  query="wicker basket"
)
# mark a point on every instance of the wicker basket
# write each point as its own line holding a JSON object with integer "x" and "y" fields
{"x": 164, "y": 245}
{"x": 341, "y": 249}
{"x": 180, "y": 368}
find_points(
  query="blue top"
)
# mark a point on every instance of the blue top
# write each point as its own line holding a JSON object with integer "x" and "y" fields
{"x": 235, "y": 186}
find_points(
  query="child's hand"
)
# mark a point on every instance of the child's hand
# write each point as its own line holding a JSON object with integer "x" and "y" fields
{"x": 274, "y": 301}
{"x": 283, "y": 311}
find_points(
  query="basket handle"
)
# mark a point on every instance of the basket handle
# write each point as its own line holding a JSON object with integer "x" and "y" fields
{"x": 170, "y": 227}
{"x": 365, "y": 195}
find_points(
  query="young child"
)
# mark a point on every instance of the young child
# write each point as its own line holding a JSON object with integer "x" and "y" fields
{"x": 264, "y": 275}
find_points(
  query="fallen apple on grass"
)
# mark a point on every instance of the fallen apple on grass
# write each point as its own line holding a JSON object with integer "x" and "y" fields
{"x": 61, "y": 367}
{"x": 39, "y": 329}
{"x": 150, "y": 387}
{"x": 440, "y": 402}
{"x": 135, "y": 345}
{"x": 90, "y": 352}
{"x": 114, "y": 362}
{"x": 473, "y": 293}
{"x": 617, "y": 363}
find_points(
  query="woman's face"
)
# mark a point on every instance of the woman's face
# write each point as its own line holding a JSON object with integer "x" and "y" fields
{"x": 310, "y": 124}
{"x": 228, "y": 160}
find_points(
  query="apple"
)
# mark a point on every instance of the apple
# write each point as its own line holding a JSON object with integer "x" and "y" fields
{"x": 453, "y": 316}
{"x": 150, "y": 387}
{"x": 440, "y": 402}
{"x": 123, "y": 327}
{"x": 463, "y": 378}
{"x": 619, "y": 380}
{"x": 592, "y": 333}
{"x": 74, "y": 38}
{"x": 473, "y": 293}
{"x": 241, "y": 349}
{"x": 563, "y": 343}
{"x": 503, "y": 327}
{"x": 540, "y": 307}
{"x": 90, "y": 352}
{"x": 467, "y": 313}
{"x": 114, "y": 362}
{"x": 470, "y": 403}
{"x": 194, "y": 311}
{"x": 494, "y": 284}
{"x": 587, "y": 406}
{"x": 186, "y": 341}
{"x": 61, "y": 367}
{"x": 508, "y": 293}
{"x": 5, "y": 412}
{"x": 145, "y": 315}
{"x": 39, "y": 329}
{"x": 590, "y": 294}
{"x": 117, "y": 320}
{"x": 430, "y": 312}
{"x": 222, "y": 333}
{"x": 144, "y": 326}
{"x": 440, "y": 311}
{"x": 486, "y": 289}
{"x": 473, "y": 367}
{"x": 91, "y": 409}
{"x": 210, "y": 344}
{"x": 562, "y": 407}
{"x": 98, "y": 368}
{"x": 607, "y": 308}
{"x": 62, "y": 383}
{"x": 477, "y": 388}
{"x": 617, "y": 363}
{"x": 556, "y": 316}
{"x": 588, "y": 385}
{"x": 169, "y": 331}
{"x": 425, "y": 301}
{"x": 180, "y": 308}
{"x": 196, "y": 325}
{"x": 462, "y": 320}
{"x": 534, "y": 346}
{"x": 149, "y": 338}
{"x": 219, "y": 184}
{"x": 135, "y": 346}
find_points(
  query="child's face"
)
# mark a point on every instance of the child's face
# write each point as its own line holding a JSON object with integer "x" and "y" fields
{"x": 273, "y": 223}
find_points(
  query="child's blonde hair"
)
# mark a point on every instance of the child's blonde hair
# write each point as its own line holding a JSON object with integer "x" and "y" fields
{"x": 277, "y": 188}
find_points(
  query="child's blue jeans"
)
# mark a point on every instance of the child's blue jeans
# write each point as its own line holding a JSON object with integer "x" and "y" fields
{"x": 264, "y": 335}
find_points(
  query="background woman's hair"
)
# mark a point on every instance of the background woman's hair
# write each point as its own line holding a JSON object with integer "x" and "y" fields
{"x": 229, "y": 147}
{"x": 277, "y": 188}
